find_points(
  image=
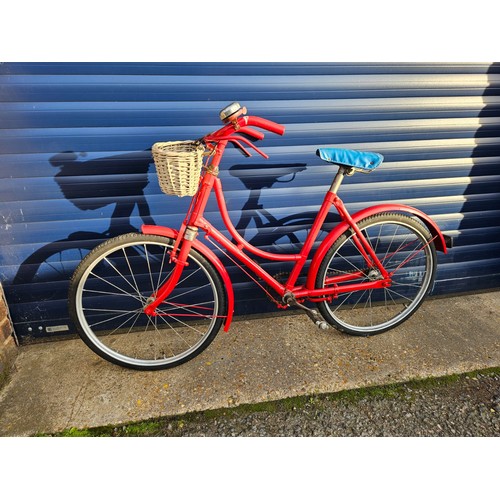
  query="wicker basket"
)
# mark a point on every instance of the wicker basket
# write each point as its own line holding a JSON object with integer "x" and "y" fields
{"x": 178, "y": 165}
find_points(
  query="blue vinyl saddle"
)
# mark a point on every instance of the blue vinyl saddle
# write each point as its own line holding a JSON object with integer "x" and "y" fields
{"x": 359, "y": 160}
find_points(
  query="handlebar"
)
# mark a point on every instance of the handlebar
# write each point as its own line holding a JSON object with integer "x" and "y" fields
{"x": 241, "y": 124}
{"x": 256, "y": 121}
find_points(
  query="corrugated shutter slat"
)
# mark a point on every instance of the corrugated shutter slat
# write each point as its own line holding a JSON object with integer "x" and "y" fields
{"x": 75, "y": 158}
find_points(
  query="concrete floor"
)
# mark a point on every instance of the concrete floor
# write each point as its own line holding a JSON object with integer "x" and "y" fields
{"x": 62, "y": 384}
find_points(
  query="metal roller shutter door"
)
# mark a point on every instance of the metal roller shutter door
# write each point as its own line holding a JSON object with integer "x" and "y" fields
{"x": 76, "y": 166}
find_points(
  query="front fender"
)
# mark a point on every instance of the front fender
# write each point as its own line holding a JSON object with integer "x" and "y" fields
{"x": 209, "y": 255}
{"x": 337, "y": 231}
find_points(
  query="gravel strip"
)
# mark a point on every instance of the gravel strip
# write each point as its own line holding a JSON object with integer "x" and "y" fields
{"x": 469, "y": 406}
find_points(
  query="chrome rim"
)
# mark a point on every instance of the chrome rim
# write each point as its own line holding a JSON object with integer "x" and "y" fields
{"x": 114, "y": 290}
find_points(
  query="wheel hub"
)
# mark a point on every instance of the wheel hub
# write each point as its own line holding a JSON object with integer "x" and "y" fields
{"x": 374, "y": 275}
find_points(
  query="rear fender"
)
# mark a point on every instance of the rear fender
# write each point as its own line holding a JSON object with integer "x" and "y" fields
{"x": 439, "y": 239}
{"x": 210, "y": 256}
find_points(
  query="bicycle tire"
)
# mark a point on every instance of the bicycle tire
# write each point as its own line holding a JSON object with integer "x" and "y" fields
{"x": 405, "y": 247}
{"x": 112, "y": 285}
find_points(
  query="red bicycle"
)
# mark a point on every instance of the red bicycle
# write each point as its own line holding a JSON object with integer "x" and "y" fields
{"x": 155, "y": 299}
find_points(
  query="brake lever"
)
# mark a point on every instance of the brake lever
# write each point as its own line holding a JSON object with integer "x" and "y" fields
{"x": 244, "y": 151}
{"x": 238, "y": 138}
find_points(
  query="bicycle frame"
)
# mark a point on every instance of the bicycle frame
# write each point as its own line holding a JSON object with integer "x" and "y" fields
{"x": 185, "y": 239}
{"x": 196, "y": 220}
{"x": 156, "y": 300}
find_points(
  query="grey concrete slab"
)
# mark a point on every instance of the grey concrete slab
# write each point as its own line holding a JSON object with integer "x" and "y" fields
{"x": 63, "y": 384}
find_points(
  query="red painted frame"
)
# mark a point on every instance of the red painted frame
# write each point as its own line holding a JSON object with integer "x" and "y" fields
{"x": 195, "y": 220}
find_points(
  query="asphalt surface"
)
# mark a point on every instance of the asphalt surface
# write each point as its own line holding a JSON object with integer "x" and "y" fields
{"x": 62, "y": 385}
{"x": 465, "y": 407}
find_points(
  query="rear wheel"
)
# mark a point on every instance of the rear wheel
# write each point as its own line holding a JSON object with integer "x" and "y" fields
{"x": 405, "y": 248}
{"x": 113, "y": 284}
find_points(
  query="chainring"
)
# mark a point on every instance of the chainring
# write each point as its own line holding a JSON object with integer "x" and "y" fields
{"x": 271, "y": 293}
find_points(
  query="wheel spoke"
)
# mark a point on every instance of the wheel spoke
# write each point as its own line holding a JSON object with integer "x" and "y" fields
{"x": 405, "y": 249}
{"x": 124, "y": 292}
{"x": 117, "y": 281}
{"x": 113, "y": 318}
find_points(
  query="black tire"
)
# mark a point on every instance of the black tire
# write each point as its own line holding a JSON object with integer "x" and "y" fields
{"x": 405, "y": 247}
{"x": 113, "y": 283}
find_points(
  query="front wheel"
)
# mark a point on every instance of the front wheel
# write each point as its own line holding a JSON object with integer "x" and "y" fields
{"x": 406, "y": 250}
{"x": 115, "y": 282}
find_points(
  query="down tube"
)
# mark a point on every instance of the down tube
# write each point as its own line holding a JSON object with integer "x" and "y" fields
{"x": 239, "y": 255}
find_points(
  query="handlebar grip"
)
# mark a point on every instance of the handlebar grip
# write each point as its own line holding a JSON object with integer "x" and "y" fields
{"x": 257, "y": 121}
{"x": 251, "y": 132}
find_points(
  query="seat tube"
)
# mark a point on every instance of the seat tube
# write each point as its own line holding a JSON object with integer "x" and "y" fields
{"x": 337, "y": 181}
{"x": 359, "y": 239}
{"x": 311, "y": 238}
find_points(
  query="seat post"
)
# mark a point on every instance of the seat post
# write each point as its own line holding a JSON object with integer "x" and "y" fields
{"x": 337, "y": 181}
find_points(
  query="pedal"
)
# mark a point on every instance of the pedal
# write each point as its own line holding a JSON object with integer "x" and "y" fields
{"x": 322, "y": 325}
{"x": 315, "y": 316}
{"x": 317, "y": 319}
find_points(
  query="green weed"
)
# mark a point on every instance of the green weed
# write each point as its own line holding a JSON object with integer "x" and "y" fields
{"x": 175, "y": 425}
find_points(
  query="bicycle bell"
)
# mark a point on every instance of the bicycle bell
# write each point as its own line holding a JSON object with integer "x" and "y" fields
{"x": 231, "y": 112}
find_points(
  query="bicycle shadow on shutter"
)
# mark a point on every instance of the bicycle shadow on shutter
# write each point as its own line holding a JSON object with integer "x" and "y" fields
{"x": 286, "y": 234}
{"x": 477, "y": 247}
{"x": 90, "y": 185}
{"x": 94, "y": 184}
